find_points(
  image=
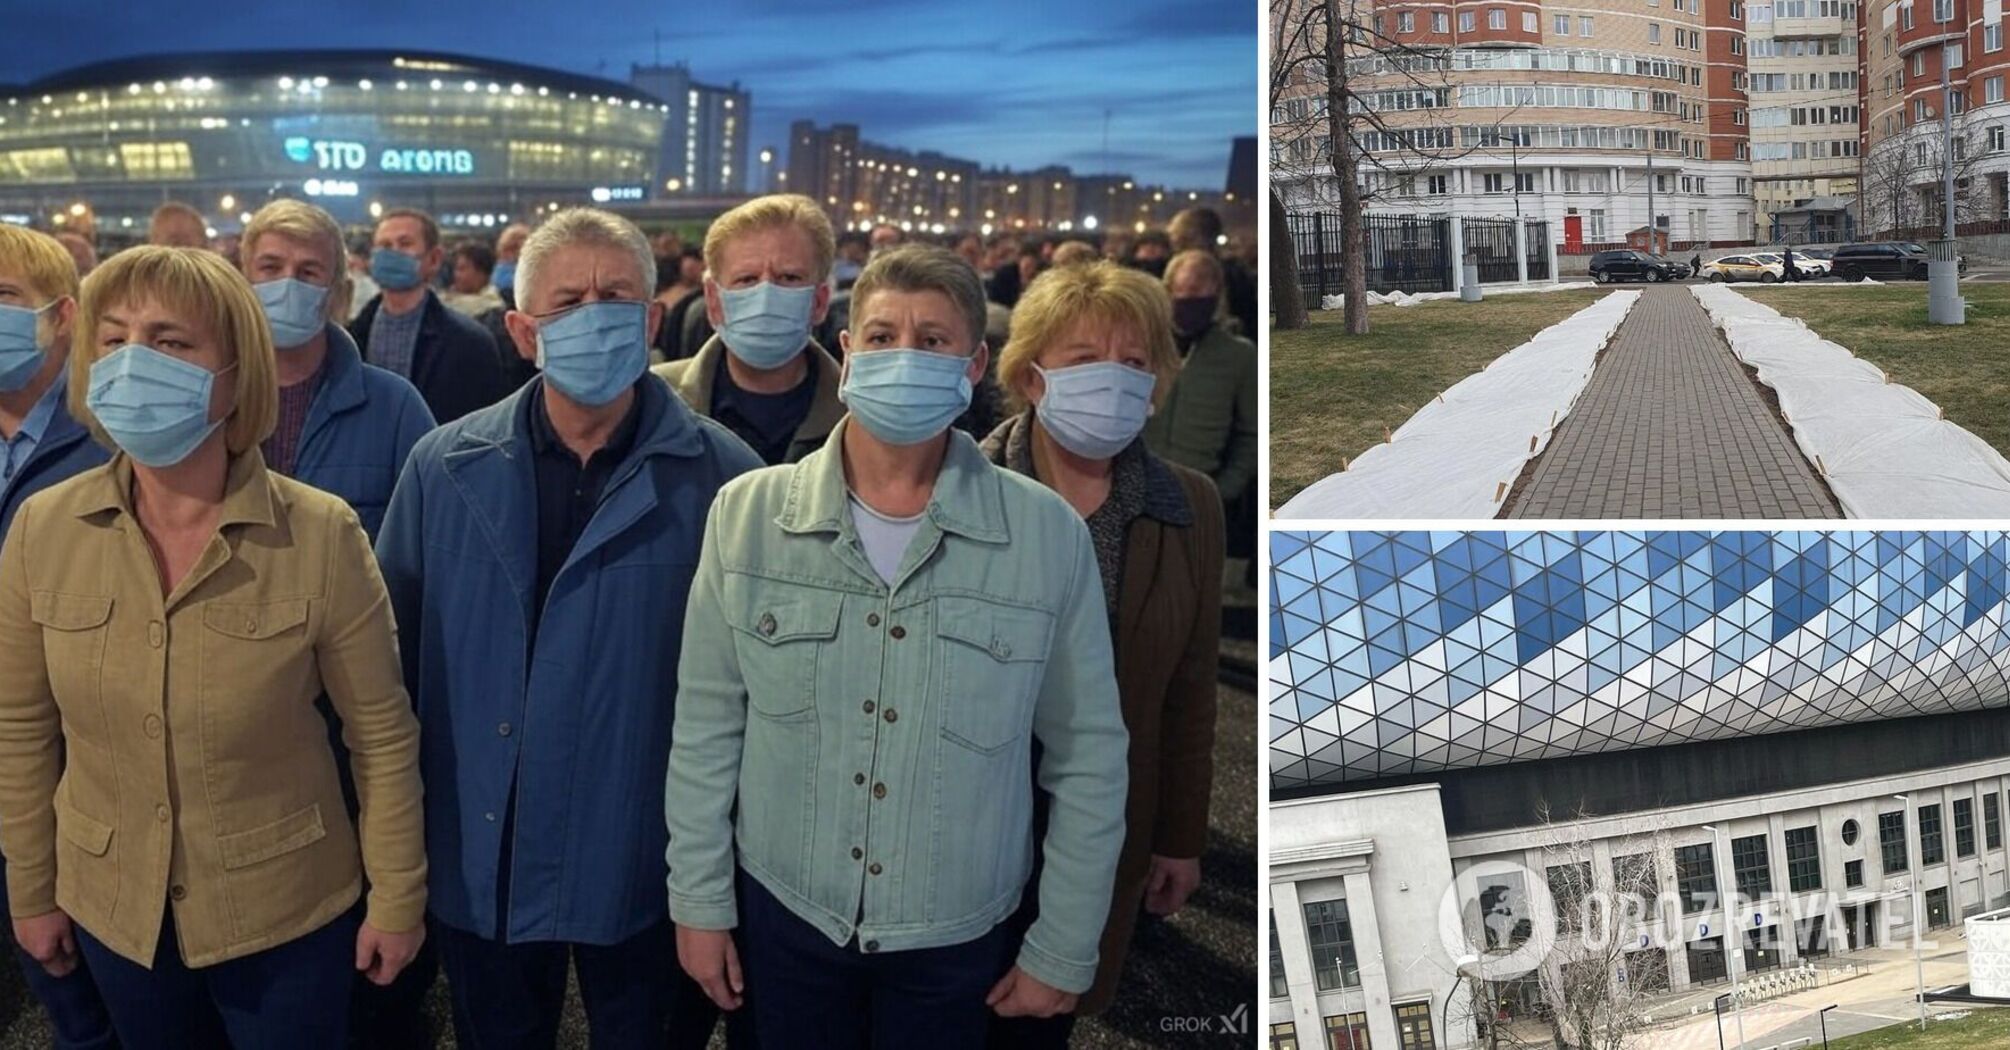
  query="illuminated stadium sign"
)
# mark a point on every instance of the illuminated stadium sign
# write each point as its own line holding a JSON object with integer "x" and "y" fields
{"x": 340, "y": 155}
{"x": 603, "y": 194}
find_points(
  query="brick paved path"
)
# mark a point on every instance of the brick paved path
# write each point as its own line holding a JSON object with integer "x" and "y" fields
{"x": 1671, "y": 427}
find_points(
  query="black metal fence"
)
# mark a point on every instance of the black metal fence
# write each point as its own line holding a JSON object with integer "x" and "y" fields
{"x": 1535, "y": 237}
{"x": 1403, "y": 252}
{"x": 1490, "y": 243}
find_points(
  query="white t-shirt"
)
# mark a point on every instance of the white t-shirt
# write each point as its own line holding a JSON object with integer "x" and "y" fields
{"x": 884, "y": 538}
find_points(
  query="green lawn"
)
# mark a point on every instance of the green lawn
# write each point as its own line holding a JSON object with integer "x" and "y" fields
{"x": 1333, "y": 396}
{"x": 1965, "y": 369}
{"x": 1985, "y": 1029}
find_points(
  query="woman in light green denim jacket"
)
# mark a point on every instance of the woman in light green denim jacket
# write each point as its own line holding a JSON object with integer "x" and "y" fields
{"x": 876, "y": 637}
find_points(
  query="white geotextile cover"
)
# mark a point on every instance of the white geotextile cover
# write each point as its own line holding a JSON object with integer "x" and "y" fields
{"x": 1457, "y": 455}
{"x": 1403, "y": 298}
{"x": 1881, "y": 446}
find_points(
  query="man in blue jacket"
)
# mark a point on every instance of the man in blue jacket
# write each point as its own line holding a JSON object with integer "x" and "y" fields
{"x": 408, "y": 330}
{"x": 538, "y": 554}
{"x": 344, "y": 426}
{"x": 41, "y": 444}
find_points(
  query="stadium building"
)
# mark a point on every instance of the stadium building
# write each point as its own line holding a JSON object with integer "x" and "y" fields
{"x": 474, "y": 141}
{"x": 1797, "y": 742}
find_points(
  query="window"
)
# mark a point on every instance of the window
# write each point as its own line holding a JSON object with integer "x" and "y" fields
{"x": 1804, "y": 860}
{"x": 1751, "y": 867}
{"x": 1504, "y": 912}
{"x": 1530, "y": 22}
{"x": 1569, "y": 887}
{"x": 1905, "y": 16}
{"x": 1525, "y": 182}
{"x": 1278, "y": 989}
{"x": 1919, "y": 63}
{"x": 1695, "y": 877}
{"x": 1441, "y": 22}
{"x": 1653, "y": 32}
{"x": 1594, "y": 225}
{"x": 1992, "y": 37}
{"x": 1852, "y": 874}
{"x": 1347, "y": 1032}
{"x": 1932, "y": 845}
{"x": 1992, "y": 88}
{"x": 1584, "y": 25}
{"x": 1497, "y": 18}
{"x": 1849, "y": 832}
{"x": 1737, "y": 11}
{"x": 1943, "y": 10}
{"x": 1562, "y": 24}
{"x": 1964, "y": 827}
{"x": 1413, "y": 1027}
{"x": 1953, "y": 56}
{"x": 1331, "y": 937}
{"x": 1284, "y": 1036}
{"x": 1434, "y": 185}
{"x": 1465, "y": 21}
{"x": 1494, "y": 182}
{"x": 1406, "y": 22}
{"x": 1891, "y": 840}
{"x": 1992, "y": 817}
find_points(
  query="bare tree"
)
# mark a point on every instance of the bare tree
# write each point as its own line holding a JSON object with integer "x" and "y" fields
{"x": 1324, "y": 139}
{"x": 1902, "y": 179}
{"x": 1598, "y": 979}
{"x": 1287, "y": 299}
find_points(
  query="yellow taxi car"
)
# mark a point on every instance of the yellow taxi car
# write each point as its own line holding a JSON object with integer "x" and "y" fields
{"x": 1742, "y": 268}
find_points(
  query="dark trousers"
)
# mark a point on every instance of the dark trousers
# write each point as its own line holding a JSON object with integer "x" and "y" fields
{"x": 1030, "y": 1033}
{"x": 510, "y": 996}
{"x": 394, "y": 1017}
{"x": 808, "y": 992}
{"x": 76, "y": 1010}
{"x": 291, "y": 997}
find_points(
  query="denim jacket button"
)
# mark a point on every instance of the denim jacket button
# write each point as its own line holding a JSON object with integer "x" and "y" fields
{"x": 872, "y": 620}
{"x": 892, "y": 715}
{"x": 898, "y": 632}
{"x": 1000, "y": 649}
{"x": 875, "y": 869}
{"x": 872, "y": 946}
{"x": 879, "y": 791}
{"x": 857, "y": 854}
{"x": 767, "y": 624}
{"x": 869, "y": 707}
{"x": 858, "y": 778}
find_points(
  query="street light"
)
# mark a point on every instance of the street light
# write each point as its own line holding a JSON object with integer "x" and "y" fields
{"x": 1718, "y": 1005}
{"x": 1823, "y": 1016}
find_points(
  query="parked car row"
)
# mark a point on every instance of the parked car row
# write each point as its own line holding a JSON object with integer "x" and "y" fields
{"x": 1880, "y": 260}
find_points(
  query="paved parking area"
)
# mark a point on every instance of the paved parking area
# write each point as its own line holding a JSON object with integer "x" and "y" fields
{"x": 1670, "y": 426}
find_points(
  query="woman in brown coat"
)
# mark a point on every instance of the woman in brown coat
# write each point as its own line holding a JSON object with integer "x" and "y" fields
{"x": 1091, "y": 352}
{"x": 169, "y": 804}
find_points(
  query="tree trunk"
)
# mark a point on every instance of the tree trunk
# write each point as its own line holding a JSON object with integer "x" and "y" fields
{"x": 1353, "y": 256}
{"x": 1287, "y": 299}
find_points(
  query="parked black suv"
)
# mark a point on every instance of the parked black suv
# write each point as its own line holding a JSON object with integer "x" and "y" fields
{"x": 1885, "y": 260}
{"x": 1626, "y": 264}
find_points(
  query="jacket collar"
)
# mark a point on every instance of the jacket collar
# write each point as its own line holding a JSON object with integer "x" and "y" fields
{"x": 248, "y": 496}
{"x": 341, "y": 376}
{"x": 1009, "y": 446}
{"x": 969, "y": 497}
{"x": 695, "y": 386}
{"x": 667, "y": 427}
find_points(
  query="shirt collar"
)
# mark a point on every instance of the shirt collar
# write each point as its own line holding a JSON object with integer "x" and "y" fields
{"x": 36, "y": 426}
{"x": 248, "y": 496}
{"x": 969, "y": 497}
{"x": 544, "y": 439}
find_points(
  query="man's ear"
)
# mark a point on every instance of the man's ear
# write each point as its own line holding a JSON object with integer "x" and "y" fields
{"x": 715, "y": 307}
{"x": 523, "y": 332}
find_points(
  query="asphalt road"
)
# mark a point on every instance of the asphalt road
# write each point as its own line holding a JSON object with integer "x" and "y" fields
{"x": 1184, "y": 973}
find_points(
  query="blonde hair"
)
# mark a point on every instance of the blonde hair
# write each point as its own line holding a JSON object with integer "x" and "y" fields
{"x": 199, "y": 285}
{"x": 175, "y": 210}
{"x": 38, "y": 259}
{"x": 922, "y": 268}
{"x": 1101, "y": 292}
{"x": 1071, "y": 253}
{"x": 581, "y": 226}
{"x": 769, "y": 212}
{"x": 304, "y": 222}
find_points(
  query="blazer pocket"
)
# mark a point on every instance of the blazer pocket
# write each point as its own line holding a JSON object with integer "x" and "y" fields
{"x": 778, "y": 639}
{"x": 68, "y": 612}
{"x": 89, "y": 834}
{"x": 994, "y": 657}
{"x": 86, "y": 869}
{"x": 244, "y": 848}
{"x": 254, "y": 621}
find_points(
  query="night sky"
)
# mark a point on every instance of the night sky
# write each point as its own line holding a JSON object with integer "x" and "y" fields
{"x": 1004, "y": 82}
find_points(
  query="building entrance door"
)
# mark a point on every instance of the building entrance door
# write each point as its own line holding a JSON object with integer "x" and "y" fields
{"x": 1860, "y": 924}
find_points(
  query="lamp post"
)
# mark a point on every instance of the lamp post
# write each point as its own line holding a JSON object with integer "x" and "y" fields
{"x": 1734, "y": 934}
{"x": 1717, "y": 1004}
{"x": 1823, "y": 1017}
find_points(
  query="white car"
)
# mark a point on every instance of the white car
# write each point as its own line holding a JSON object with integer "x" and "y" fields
{"x": 1808, "y": 265}
{"x": 1744, "y": 268}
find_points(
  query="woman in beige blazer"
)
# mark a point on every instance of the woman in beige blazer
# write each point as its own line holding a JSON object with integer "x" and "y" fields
{"x": 169, "y": 803}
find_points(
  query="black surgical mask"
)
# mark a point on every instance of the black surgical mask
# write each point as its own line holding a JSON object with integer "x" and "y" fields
{"x": 1192, "y": 315}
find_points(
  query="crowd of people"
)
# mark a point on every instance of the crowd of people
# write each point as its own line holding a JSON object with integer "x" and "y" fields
{"x": 359, "y": 600}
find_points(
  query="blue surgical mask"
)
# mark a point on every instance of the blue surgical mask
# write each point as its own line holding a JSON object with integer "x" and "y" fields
{"x": 293, "y": 308}
{"x": 1094, "y": 410}
{"x": 767, "y": 325}
{"x": 152, "y": 405}
{"x": 504, "y": 276}
{"x": 21, "y": 351}
{"x": 594, "y": 351}
{"x": 905, "y": 397}
{"x": 394, "y": 270}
